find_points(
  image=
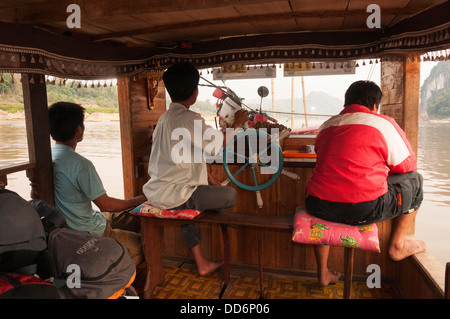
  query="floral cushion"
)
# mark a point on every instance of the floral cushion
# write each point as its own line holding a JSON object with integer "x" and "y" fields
{"x": 312, "y": 230}
{"x": 147, "y": 210}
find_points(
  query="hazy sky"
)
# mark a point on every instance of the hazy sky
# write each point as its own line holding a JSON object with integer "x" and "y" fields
{"x": 334, "y": 85}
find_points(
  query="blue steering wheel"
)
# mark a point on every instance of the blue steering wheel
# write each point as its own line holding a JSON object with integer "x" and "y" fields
{"x": 253, "y": 148}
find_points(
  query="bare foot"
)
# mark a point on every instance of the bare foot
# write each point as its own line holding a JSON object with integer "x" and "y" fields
{"x": 208, "y": 267}
{"x": 406, "y": 248}
{"x": 329, "y": 277}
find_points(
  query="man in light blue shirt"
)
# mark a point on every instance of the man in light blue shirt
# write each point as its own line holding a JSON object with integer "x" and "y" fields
{"x": 77, "y": 184}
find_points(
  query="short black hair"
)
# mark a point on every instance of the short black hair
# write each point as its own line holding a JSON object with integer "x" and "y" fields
{"x": 64, "y": 118}
{"x": 365, "y": 93}
{"x": 181, "y": 80}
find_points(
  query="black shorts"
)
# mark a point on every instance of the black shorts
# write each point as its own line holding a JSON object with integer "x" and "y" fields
{"x": 404, "y": 196}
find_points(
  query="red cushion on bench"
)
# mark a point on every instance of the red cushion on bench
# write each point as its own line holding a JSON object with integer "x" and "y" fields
{"x": 147, "y": 210}
{"x": 312, "y": 230}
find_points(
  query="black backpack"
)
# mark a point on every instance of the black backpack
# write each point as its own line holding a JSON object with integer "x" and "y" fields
{"x": 86, "y": 266}
{"x": 25, "y": 266}
{"x": 39, "y": 258}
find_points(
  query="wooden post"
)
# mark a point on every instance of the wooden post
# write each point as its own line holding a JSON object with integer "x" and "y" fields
{"x": 36, "y": 118}
{"x": 348, "y": 271}
{"x": 292, "y": 103}
{"x": 273, "y": 94}
{"x": 261, "y": 274}
{"x": 447, "y": 281}
{"x": 226, "y": 254}
{"x": 3, "y": 181}
{"x": 126, "y": 132}
{"x": 400, "y": 84}
{"x": 411, "y": 101}
{"x": 152, "y": 235}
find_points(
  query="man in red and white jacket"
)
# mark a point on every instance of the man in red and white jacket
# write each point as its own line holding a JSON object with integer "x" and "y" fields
{"x": 365, "y": 173}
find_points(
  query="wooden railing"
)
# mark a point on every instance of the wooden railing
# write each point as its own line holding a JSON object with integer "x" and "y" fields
{"x": 9, "y": 169}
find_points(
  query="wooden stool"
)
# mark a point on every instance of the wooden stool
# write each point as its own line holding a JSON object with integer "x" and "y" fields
{"x": 312, "y": 230}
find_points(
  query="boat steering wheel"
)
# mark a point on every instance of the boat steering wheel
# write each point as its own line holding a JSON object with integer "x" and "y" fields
{"x": 257, "y": 151}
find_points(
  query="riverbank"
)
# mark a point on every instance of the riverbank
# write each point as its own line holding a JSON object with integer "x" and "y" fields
{"x": 438, "y": 121}
{"x": 93, "y": 117}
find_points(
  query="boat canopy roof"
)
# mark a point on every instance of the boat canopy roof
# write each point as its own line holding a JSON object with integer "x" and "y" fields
{"x": 119, "y": 39}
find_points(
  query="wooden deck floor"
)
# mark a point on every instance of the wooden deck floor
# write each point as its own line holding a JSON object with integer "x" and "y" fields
{"x": 183, "y": 282}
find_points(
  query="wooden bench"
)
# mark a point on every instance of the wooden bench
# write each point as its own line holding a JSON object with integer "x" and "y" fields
{"x": 153, "y": 229}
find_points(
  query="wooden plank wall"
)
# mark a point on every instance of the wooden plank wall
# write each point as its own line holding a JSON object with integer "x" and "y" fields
{"x": 136, "y": 125}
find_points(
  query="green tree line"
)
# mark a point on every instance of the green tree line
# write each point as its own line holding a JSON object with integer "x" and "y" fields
{"x": 439, "y": 102}
{"x": 97, "y": 98}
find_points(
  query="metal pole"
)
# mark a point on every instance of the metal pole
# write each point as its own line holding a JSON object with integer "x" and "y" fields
{"x": 304, "y": 102}
{"x": 292, "y": 103}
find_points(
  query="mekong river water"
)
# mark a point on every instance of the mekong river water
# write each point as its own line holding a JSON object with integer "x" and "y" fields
{"x": 102, "y": 146}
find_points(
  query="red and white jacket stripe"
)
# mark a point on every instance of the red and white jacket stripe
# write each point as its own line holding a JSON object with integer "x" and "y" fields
{"x": 356, "y": 151}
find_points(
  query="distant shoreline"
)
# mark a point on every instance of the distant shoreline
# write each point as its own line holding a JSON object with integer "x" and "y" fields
{"x": 114, "y": 117}
{"x": 93, "y": 117}
{"x": 438, "y": 121}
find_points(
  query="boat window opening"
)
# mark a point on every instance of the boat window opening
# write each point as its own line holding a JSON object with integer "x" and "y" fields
{"x": 294, "y": 101}
{"x": 101, "y": 142}
{"x": 108, "y": 160}
{"x": 101, "y": 128}
{"x": 433, "y": 217}
{"x": 13, "y": 133}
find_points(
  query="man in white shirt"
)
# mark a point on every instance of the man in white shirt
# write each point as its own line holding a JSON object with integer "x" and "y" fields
{"x": 179, "y": 178}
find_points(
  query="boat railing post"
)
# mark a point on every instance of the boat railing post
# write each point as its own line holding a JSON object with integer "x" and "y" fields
{"x": 447, "y": 281}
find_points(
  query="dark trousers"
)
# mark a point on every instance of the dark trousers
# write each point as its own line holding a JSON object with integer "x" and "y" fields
{"x": 404, "y": 196}
{"x": 206, "y": 197}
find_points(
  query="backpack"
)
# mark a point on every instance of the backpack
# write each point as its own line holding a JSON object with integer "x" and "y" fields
{"x": 22, "y": 286}
{"x": 22, "y": 237}
{"x": 91, "y": 266}
{"x": 86, "y": 266}
{"x": 25, "y": 267}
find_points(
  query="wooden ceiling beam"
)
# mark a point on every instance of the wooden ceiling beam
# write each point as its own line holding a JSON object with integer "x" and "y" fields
{"x": 55, "y": 10}
{"x": 250, "y": 19}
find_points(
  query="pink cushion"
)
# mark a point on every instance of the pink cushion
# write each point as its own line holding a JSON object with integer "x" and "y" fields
{"x": 147, "y": 210}
{"x": 312, "y": 230}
